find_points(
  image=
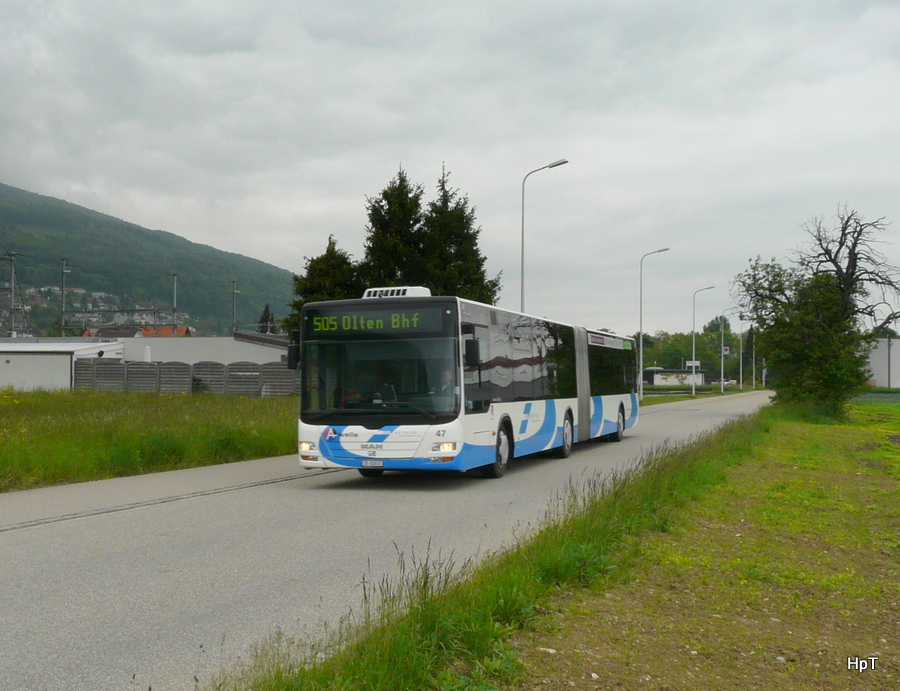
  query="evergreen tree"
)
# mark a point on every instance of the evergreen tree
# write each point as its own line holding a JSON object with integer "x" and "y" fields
{"x": 330, "y": 276}
{"x": 266, "y": 321}
{"x": 454, "y": 263}
{"x": 406, "y": 245}
{"x": 395, "y": 250}
{"x": 436, "y": 248}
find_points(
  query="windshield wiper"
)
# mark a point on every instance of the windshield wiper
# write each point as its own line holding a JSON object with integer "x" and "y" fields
{"x": 410, "y": 405}
{"x": 335, "y": 411}
{"x": 370, "y": 409}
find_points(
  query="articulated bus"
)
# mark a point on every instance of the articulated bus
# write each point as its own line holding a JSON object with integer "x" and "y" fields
{"x": 403, "y": 380}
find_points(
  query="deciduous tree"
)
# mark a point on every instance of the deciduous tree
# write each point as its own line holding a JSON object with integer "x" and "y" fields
{"x": 816, "y": 319}
{"x": 867, "y": 284}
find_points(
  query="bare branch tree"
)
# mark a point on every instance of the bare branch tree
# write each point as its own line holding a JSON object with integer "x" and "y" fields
{"x": 847, "y": 251}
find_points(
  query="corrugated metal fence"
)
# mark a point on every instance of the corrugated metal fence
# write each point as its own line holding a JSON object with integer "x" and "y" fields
{"x": 236, "y": 379}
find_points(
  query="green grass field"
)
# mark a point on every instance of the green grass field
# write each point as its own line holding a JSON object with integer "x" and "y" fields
{"x": 51, "y": 438}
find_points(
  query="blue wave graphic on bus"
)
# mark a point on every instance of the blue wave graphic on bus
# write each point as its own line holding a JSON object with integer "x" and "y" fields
{"x": 632, "y": 419}
{"x": 600, "y": 427}
{"x": 596, "y": 416}
{"x": 543, "y": 437}
{"x": 332, "y": 447}
{"x": 469, "y": 456}
{"x": 538, "y": 430}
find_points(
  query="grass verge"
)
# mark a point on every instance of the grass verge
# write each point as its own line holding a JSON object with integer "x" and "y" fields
{"x": 786, "y": 576}
{"x": 451, "y": 627}
{"x": 51, "y": 438}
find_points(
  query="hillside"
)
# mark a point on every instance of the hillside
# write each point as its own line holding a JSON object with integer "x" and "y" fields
{"x": 132, "y": 263}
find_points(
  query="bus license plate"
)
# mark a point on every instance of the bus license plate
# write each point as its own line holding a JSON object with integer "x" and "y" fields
{"x": 373, "y": 464}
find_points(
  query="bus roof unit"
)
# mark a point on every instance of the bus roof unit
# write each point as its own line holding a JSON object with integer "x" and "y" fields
{"x": 398, "y": 292}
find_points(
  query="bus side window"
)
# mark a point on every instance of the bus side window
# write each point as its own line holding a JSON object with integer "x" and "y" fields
{"x": 473, "y": 352}
{"x": 477, "y": 383}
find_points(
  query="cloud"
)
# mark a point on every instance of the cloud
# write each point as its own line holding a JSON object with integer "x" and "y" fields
{"x": 261, "y": 127}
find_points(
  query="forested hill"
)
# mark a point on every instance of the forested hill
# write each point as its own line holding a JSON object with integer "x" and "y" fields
{"x": 109, "y": 255}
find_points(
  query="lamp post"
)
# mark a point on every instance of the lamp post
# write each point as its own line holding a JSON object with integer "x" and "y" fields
{"x": 641, "y": 323}
{"x": 560, "y": 162}
{"x": 694, "y": 342}
{"x": 753, "y": 331}
{"x": 742, "y": 351}
{"x": 722, "y": 349}
{"x": 722, "y": 354}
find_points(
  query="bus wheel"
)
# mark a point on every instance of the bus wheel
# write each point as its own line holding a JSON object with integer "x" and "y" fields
{"x": 502, "y": 455}
{"x": 568, "y": 437}
{"x": 619, "y": 434}
{"x": 371, "y": 472}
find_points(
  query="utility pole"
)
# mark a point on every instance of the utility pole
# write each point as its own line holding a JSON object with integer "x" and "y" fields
{"x": 12, "y": 293}
{"x": 753, "y": 331}
{"x": 62, "y": 291}
{"x": 234, "y": 292}
{"x": 175, "y": 306}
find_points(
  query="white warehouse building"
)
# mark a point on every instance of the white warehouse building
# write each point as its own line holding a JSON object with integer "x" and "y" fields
{"x": 884, "y": 363}
{"x": 49, "y": 364}
{"x": 28, "y": 364}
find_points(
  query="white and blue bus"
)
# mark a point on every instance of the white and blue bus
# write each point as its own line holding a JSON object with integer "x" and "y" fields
{"x": 403, "y": 380}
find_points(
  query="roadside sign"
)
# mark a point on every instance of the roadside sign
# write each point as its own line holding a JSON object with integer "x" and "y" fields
{"x": 693, "y": 363}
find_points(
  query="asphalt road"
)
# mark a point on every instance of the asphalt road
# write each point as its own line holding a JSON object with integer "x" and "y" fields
{"x": 163, "y": 579}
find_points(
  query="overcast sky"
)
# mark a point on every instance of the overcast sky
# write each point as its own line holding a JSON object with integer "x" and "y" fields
{"x": 260, "y": 127}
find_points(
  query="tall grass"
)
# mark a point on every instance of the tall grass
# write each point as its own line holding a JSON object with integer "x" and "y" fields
{"x": 72, "y": 436}
{"x": 444, "y": 626}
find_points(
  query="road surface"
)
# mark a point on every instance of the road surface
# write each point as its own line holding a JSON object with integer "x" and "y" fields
{"x": 163, "y": 579}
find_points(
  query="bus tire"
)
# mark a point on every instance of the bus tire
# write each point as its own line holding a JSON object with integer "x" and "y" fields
{"x": 371, "y": 472}
{"x": 502, "y": 453}
{"x": 619, "y": 434}
{"x": 568, "y": 438}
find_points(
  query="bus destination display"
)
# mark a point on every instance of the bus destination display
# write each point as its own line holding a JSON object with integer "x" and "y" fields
{"x": 391, "y": 321}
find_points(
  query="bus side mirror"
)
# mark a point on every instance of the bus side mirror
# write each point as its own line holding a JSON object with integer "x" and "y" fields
{"x": 293, "y": 359}
{"x": 473, "y": 352}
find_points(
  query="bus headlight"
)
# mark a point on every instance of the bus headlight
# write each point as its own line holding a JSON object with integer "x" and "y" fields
{"x": 307, "y": 450}
{"x": 443, "y": 447}
{"x": 307, "y": 446}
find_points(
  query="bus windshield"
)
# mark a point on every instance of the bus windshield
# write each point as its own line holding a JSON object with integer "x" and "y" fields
{"x": 355, "y": 372}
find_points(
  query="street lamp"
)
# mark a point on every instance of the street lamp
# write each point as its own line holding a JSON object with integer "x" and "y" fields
{"x": 560, "y": 162}
{"x": 641, "y": 324}
{"x": 753, "y": 332}
{"x": 694, "y": 342}
{"x": 742, "y": 351}
{"x": 722, "y": 348}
